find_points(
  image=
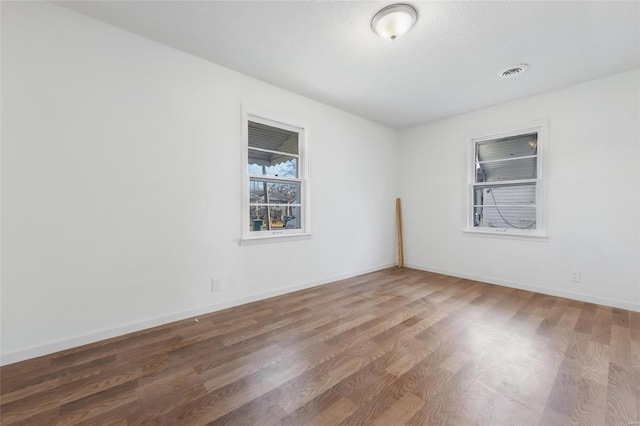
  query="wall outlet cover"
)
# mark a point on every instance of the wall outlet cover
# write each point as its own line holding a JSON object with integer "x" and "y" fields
{"x": 575, "y": 276}
{"x": 216, "y": 285}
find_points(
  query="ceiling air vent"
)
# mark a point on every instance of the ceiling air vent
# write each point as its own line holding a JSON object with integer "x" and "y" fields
{"x": 513, "y": 70}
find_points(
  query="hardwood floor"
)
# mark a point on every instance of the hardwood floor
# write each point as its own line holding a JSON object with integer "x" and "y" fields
{"x": 388, "y": 348}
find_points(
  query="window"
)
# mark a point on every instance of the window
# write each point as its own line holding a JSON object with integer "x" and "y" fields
{"x": 275, "y": 191}
{"x": 506, "y": 186}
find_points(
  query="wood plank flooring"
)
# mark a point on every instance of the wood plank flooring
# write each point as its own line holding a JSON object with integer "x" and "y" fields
{"x": 388, "y": 348}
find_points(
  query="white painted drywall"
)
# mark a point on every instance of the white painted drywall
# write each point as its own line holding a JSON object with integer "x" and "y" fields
{"x": 592, "y": 194}
{"x": 120, "y": 180}
{"x": 120, "y": 188}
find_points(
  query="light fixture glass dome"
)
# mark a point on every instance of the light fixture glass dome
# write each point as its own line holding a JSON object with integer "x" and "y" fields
{"x": 394, "y": 21}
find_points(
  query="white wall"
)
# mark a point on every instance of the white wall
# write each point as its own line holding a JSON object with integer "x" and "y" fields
{"x": 120, "y": 176}
{"x": 120, "y": 180}
{"x": 593, "y": 178}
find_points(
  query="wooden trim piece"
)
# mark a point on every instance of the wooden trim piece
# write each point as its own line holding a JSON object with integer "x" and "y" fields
{"x": 399, "y": 228}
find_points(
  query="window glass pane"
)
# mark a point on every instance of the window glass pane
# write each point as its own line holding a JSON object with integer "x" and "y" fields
{"x": 505, "y": 217}
{"x": 277, "y": 192}
{"x": 270, "y": 164}
{"x": 505, "y": 195}
{"x": 263, "y": 218}
{"x": 511, "y": 147}
{"x": 526, "y": 168}
{"x": 272, "y": 138}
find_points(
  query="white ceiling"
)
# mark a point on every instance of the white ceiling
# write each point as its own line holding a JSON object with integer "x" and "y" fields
{"x": 448, "y": 64}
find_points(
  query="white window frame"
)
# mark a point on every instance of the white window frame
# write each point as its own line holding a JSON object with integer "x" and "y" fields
{"x": 541, "y": 127}
{"x": 249, "y": 236}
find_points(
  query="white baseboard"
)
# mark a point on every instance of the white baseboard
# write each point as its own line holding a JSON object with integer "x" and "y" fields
{"x": 521, "y": 286}
{"x": 97, "y": 336}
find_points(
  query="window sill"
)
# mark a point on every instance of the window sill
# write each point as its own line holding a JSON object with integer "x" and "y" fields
{"x": 266, "y": 239}
{"x": 508, "y": 235}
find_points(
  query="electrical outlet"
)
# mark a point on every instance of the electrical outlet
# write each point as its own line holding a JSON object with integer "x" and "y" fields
{"x": 216, "y": 285}
{"x": 575, "y": 276}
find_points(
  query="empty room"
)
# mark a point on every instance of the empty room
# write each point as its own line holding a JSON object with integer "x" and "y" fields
{"x": 320, "y": 213}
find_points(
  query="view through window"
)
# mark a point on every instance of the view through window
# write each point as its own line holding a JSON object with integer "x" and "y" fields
{"x": 505, "y": 187}
{"x": 275, "y": 195}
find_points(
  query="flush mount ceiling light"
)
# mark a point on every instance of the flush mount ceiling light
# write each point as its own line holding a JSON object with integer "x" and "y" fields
{"x": 513, "y": 70}
{"x": 394, "y": 21}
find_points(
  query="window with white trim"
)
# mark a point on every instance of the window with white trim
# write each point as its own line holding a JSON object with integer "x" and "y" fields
{"x": 274, "y": 179}
{"x": 506, "y": 186}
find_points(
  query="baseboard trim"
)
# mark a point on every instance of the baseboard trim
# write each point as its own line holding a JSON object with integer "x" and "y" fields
{"x": 62, "y": 345}
{"x": 521, "y": 286}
